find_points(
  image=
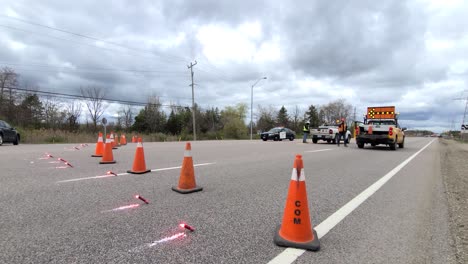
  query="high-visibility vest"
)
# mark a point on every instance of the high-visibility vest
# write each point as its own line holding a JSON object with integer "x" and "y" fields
{"x": 305, "y": 128}
{"x": 342, "y": 127}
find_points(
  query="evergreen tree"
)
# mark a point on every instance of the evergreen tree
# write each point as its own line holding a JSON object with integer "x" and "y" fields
{"x": 30, "y": 111}
{"x": 312, "y": 116}
{"x": 140, "y": 125}
{"x": 174, "y": 123}
{"x": 282, "y": 118}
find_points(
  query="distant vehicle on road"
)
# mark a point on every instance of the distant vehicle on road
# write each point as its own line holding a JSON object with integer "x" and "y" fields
{"x": 278, "y": 133}
{"x": 327, "y": 133}
{"x": 8, "y": 134}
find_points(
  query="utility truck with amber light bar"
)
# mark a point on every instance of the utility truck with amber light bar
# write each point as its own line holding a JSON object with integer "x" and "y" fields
{"x": 380, "y": 127}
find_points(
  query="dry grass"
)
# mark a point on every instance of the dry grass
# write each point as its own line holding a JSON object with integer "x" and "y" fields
{"x": 49, "y": 136}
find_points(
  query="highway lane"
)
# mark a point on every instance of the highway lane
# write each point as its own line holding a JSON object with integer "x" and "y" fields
{"x": 235, "y": 216}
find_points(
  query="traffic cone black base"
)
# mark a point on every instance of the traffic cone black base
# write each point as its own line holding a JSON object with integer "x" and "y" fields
{"x": 107, "y": 162}
{"x": 313, "y": 245}
{"x": 185, "y": 191}
{"x": 96, "y": 156}
{"x": 138, "y": 172}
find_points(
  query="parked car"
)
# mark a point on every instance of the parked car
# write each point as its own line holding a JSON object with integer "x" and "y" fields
{"x": 278, "y": 133}
{"x": 8, "y": 134}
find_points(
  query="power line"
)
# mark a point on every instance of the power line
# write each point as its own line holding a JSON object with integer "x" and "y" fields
{"x": 54, "y": 37}
{"x": 215, "y": 71}
{"x": 173, "y": 57}
{"x": 87, "y": 68}
{"x": 210, "y": 65}
{"x": 128, "y": 52}
{"x": 221, "y": 77}
{"x": 100, "y": 72}
{"x": 75, "y": 96}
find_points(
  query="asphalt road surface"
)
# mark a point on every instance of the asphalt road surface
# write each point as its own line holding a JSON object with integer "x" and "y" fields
{"x": 53, "y": 213}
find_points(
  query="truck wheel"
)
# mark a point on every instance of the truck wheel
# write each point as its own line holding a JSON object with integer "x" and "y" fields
{"x": 373, "y": 144}
{"x": 265, "y": 139}
{"x": 314, "y": 140}
{"x": 328, "y": 141}
{"x": 393, "y": 145}
{"x": 291, "y": 138}
{"x": 360, "y": 145}
{"x": 402, "y": 144}
{"x": 276, "y": 138}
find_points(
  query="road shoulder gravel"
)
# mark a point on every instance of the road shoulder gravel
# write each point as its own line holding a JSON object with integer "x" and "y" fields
{"x": 454, "y": 165}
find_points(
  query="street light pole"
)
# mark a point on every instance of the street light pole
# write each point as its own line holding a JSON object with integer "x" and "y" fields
{"x": 251, "y": 104}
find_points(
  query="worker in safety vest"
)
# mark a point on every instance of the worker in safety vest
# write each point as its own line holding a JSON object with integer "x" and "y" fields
{"x": 306, "y": 131}
{"x": 342, "y": 128}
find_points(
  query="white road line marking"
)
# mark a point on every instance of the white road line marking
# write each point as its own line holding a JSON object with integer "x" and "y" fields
{"x": 94, "y": 177}
{"x": 125, "y": 173}
{"x": 318, "y": 150}
{"x": 289, "y": 255}
{"x": 179, "y": 167}
{"x": 130, "y": 206}
{"x": 150, "y": 245}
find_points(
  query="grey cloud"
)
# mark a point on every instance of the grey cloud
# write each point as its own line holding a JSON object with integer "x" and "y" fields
{"x": 231, "y": 12}
{"x": 375, "y": 48}
{"x": 351, "y": 38}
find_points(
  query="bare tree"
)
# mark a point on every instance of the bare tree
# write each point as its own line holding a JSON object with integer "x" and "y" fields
{"x": 296, "y": 118}
{"x": 53, "y": 117}
{"x": 155, "y": 118}
{"x": 8, "y": 82}
{"x": 127, "y": 116}
{"x": 266, "y": 118}
{"x": 94, "y": 102}
{"x": 73, "y": 113}
{"x": 335, "y": 110}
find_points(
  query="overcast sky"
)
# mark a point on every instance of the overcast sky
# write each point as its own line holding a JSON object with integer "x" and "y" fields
{"x": 411, "y": 54}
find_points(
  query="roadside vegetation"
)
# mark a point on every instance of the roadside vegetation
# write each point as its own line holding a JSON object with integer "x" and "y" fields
{"x": 54, "y": 117}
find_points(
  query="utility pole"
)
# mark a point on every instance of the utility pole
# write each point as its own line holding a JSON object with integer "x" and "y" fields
{"x": 354, "y": 114}
{"x": 354, "y": 123}
{"x": 193, "y": 100}
{"x": 466, "y": 106}
{"x": 251, "y": 104}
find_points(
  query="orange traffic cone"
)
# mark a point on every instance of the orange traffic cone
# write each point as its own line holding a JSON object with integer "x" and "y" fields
{"x": 113, "y": 144}
{"x": 187, "y": 175}
{"x": 133, "y": 139}
{"x": 369, "y": 130}
{"x": 123, "y": 140}
{"x": 296, "y": 230}
{"x": 139, "y": 165}
{"x": 108, "y": 157}
{"x": 99, "y": 147}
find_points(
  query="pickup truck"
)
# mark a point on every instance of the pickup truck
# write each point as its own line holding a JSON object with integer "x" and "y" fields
{"x": 381, "y": 127}
{"x": 327, "y": 133}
